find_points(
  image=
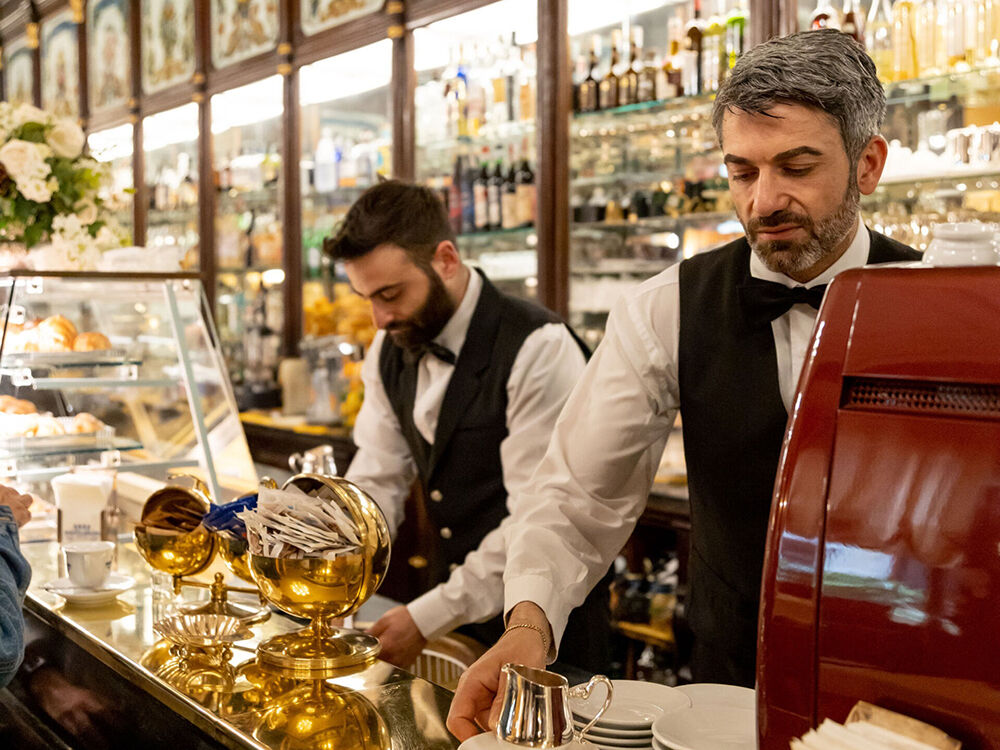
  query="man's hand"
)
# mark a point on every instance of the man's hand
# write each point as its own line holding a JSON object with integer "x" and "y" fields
{"x": 476, "y": 705}
{"x": 401, "y": 639}
{"x": 17, "y": 502}
{"x": 77, "y": 710}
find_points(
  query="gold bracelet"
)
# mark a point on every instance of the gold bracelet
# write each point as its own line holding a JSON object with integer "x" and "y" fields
{"x": 542, "y": 633}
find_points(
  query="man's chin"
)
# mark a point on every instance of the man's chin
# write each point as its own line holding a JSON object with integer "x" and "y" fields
{"x": 782, "y": 256}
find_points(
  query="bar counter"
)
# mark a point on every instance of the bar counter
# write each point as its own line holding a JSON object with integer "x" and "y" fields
{"x": 112, "y": 655}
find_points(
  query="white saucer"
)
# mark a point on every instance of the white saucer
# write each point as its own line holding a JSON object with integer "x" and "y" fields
{"x": 489, "y": 741}
{"x": 84, "y": 597}
{"x": 635, "y": 705}
{"x": 708, "y": 727}
{"x": 704, "y": 693}
{"x": 601, "y": 733}
{"x": 606, "y": 744}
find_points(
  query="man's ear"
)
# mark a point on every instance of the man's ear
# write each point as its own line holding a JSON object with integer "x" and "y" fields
{"x": 871, "y": 164}
{"x": 446, "y": 261}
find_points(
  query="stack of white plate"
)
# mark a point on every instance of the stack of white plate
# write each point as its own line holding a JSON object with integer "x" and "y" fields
{"x": 628, "y": 722}
{"x": 721, "y": 717}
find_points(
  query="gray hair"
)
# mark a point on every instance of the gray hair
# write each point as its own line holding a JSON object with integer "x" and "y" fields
{"x": 825, "y": 69}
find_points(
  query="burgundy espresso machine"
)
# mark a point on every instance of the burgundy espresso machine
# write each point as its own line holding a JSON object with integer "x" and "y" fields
{"x": 882, "y": 576}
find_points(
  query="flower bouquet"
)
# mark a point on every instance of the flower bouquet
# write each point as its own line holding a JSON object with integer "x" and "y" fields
{"x": 51, "y": 212}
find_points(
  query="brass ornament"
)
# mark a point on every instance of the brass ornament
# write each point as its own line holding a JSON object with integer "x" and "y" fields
{"x": 31, "y": 31}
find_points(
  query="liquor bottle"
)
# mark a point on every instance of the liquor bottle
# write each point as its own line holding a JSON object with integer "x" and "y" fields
{"x": 494, "y": 196}
{"x": 736, "y": 32}
{"x": 608, "y": 89}
{"x": 498, "y": 84}
{"x": 825, "y": 16}
{"x": 508, "y": 199}
{"x": 952, "y": 44}
{"x": 694, "y": 32}
{"x": 648, "y": 78}
{"x": 460, "y": 87}
{"x": 904, "y": 47}
{"x": 469, "y": 176}
{"x": 455, "y": 196}
{"x": 628, "y": 81}
{"x": 587, "y": 92}
{"x": 480, "y": 196}
{"x": 852, "y": 22}
{"x": 527, "y": 91}
{"x": 878, "y": 38}
{"x": 928, "y": 54}
{"x": 673, "y": 65}
{"x": 713, "y": 44}
{"x": 525, "y": 195}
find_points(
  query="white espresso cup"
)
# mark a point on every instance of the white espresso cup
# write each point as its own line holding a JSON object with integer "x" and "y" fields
{"x": 88, "y": 564}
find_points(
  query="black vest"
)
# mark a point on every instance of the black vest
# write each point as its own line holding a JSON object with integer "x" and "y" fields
{"x": 734, "y": 424}
{"x": 462, "y": 471}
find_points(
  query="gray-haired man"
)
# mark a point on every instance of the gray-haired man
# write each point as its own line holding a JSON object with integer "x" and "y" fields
{"x": 721, "y": 338}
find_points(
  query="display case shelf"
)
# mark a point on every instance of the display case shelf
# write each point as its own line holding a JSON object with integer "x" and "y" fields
{"x": 62, "y": 445}
{"x": 59, "y": 360}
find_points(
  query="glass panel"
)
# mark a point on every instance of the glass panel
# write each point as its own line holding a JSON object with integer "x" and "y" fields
{"x": 114, "y": 146}
{"x": 346, "y": 144}
{"x": 109, "y": 58}
{"x": 647, "y": 185}
{"x": 167, "y": 43}
{"x": 170, "y": 148}
{"x": 19, "y": 68}
{"x": 475, "y": 112}
{"x": 246, "y": 134}
{"x": 60, "y": 65}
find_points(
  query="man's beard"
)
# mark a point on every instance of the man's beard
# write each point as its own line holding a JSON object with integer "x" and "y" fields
{"x": 427, "y": 322}
{"x": 794, "y": 256}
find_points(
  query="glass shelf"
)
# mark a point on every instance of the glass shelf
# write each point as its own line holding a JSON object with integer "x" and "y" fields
{"x": 56, "y": 360}
{"x": 491, "y": 234}
{"x": 658, "y": 222}
{"x": 63, "y": 445}
{"x": 679, "y": 105}
{"x": 960, "y": 84}
{"x": 508, "y": 132}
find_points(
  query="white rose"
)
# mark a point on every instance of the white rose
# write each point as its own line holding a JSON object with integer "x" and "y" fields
{"x": 27, "y": 113}
{"x": 66, "y": 139}
{"x": 35, "y": 190}
{"x": 86, "y": 211}
{"x": 23, "y": 161}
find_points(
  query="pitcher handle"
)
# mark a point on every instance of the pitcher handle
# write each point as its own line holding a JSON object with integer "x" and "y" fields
{"x": 582, "y": 692}
{"x": 295, "y": 462}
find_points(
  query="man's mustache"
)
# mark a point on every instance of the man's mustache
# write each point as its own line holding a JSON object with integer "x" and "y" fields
{"x": 779, "y": 219}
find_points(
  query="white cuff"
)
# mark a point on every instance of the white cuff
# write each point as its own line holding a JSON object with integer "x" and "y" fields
{"x": 540, "y": 591}
{"x": 431, "y": 614}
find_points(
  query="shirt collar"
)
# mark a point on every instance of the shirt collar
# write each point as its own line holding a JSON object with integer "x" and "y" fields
{"x": 453, "y": 334}
{"x": 855, "y": 256}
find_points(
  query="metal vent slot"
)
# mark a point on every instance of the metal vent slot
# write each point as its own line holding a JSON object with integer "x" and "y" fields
{"x": 923, "y": 397}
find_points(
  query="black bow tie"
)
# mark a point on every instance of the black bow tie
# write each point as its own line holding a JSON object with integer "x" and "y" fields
{"x": 763, "y": 301}
{"x": 415, "y": 354}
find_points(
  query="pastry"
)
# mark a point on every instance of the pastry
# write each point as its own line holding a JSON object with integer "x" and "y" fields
{"x": 84, "y": 422}
{"x": 91, "y": 341}
{"x": 47, "y": 426}
{"x": 56, "y": 334}
{"x": 11, "y": 405}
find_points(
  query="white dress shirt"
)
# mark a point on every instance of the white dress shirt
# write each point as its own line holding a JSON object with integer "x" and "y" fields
{"x": 541, "y": 378}
{"x": 593, "y": 484}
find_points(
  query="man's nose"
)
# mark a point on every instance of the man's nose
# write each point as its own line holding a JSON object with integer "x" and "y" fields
{"x": 380, "y": 316}
{"x": 770, "y": 194}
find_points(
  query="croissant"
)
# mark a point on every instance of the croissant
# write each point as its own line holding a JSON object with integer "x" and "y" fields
{"x": 56, "y": 334}
{"x": 11, "y": 405}
{"x": 84, "y": 422}
{"x": 91, "y": 341}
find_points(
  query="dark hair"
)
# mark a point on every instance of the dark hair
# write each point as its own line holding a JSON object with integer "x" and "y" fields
{"x": 825, "y": 69}
{"x": 393, "y": 212}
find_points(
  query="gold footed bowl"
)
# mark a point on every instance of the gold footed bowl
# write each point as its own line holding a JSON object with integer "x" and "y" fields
{"x": 324, "y": 589}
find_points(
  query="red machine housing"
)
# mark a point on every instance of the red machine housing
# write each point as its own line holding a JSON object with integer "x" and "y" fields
{"x": 882, "y": 575}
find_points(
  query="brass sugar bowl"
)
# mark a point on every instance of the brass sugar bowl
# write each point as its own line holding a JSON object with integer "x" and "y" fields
{"x": 323, "y": 589}
{"x": 172, "y": 539}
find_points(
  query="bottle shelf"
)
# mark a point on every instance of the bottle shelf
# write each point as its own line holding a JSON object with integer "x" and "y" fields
{"x": 654, "y": 223}
{"x": 490, "y": 136}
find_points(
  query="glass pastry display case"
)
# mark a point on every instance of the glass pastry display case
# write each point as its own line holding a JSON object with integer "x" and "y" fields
{"x": 475, "y": 134}
{"x": 246, "y": 138}
{"x": 346, "y": 147}
{"x": 114, "y": 147}
{"x": 170, "y": 150}
{"x": 115, "y": 371}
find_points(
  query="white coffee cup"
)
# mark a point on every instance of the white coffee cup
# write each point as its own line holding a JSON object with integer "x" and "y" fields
{"x": 88, "y": 564}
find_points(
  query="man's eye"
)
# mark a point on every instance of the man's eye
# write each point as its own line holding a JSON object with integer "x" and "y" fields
{"x": 798, "y": 171}
{"x": 741, "y": 177}
{"x": 389, "y": 296}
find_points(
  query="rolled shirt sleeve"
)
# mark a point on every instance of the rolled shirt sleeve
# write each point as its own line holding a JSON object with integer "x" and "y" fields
{"x": 15, "y": 574}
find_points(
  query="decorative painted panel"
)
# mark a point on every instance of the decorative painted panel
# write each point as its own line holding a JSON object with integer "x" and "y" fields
{"x": 167, "y": 43}
{"x": 109, "y": 69}
{"x": 318, "y": 15}
{"x": 20, "y": 71}
{"x": 60, "y": 65}
{"x": 242, "y": 29}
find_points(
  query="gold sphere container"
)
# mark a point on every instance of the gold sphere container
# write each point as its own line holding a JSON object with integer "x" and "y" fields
{"x": 321, "y": 716}
{"x": 323, "y": 589}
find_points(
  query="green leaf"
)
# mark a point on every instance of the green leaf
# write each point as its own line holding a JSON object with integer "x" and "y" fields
{"x": 33, "y": 132}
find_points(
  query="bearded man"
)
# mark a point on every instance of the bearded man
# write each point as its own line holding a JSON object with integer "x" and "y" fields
{"x": 463, "y": 385}
{"x": 720, "y": 337}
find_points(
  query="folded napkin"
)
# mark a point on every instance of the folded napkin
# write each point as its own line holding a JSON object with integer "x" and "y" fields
{"x": 869, "y": 727}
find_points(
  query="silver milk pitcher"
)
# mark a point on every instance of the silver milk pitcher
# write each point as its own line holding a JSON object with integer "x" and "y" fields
{"x": 535, "y": 711}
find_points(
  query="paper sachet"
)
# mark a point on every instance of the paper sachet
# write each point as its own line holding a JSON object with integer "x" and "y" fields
{"x": 290, "y": 523}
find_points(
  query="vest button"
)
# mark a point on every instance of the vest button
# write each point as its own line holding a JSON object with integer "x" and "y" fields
{"x": 436, "y": 496}
{"x": 445, "y": 532}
